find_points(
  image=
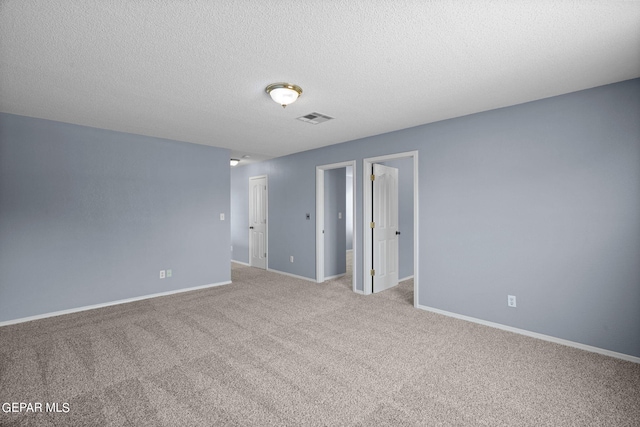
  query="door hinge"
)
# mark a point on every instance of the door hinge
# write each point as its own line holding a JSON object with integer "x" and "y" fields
{"x": 373, "y": 225}
{"x": 373, "y": 272}
{"x": 373, "y": 177}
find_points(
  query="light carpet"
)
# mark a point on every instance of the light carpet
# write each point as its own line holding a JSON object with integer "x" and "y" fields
{"x": 275, "y": 350}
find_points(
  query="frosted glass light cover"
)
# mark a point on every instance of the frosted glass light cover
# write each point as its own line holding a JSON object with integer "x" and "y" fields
{"x": 283, "y": 96}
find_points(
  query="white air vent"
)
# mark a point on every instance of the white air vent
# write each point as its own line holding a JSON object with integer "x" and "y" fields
{"x": 315, "y": 118}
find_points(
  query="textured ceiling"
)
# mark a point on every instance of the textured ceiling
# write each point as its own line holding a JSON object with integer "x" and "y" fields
{"x": 196, "y": 70}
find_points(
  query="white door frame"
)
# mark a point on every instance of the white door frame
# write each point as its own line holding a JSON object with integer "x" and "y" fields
{"x": 266, "y": 228}
{"x": 367, "y": 201}
{"x": 320, "y": 218}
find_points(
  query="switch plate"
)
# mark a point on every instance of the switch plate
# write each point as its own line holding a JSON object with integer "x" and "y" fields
{"x": 291, "y": 258}
{"x": 221, "y": 217}
{"x": 169, "y": 273}
{"x": 162, "y": 274}
{"x": 339, "y": 215}
{"x": 511, "y": 300}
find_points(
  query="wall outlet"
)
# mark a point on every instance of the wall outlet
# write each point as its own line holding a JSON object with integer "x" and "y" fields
{"x": 339, "y": 215}
{"x": 169, "y": 273}
{"x": 162, "y": 274}
{"x": 511, "y": 300}
{"x": 291, "y": 258}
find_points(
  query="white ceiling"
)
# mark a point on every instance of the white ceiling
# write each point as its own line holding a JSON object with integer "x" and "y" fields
{"x": 196, "y": 70}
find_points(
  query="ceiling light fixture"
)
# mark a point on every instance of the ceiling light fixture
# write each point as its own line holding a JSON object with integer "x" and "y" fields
{"x": 234, "y": 162}
{"x": 284, "y": 93}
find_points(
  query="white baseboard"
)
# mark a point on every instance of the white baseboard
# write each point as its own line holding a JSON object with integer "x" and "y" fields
{"x": 405, "y": 278}
{"x": 241, "y": 263}
{"x": 556, "y": 340}
{"x": 292, "y": 275}
{"x": 107, "y": 304}
{"x": 335, "y": 276}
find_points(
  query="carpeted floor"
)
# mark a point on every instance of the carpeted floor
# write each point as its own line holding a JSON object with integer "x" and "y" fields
{"x": 274, "y": 350}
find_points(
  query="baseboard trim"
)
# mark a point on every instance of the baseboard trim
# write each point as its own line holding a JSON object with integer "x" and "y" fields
{"x": 107, "y": 304}
{"x": 334, "y": 276}
{"x": 544, "y": 337}
{"x": 241, "y": 263}
{"x": 405, "y": 278}
{"x": 292, "y": 275}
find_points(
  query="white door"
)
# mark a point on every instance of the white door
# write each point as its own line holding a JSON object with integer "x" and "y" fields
{"x": 258, "y": 222}
{"x": 385, "y": 227}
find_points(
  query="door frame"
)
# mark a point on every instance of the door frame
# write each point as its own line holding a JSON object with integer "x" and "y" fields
{"x": 367, "y": 206}
{"x": 266, "y": 228}
{"x": 320, "y": 218}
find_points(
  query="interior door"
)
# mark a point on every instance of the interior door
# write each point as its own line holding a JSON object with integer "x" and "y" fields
{"x": 385, "y": 227}
{"x": 258, "y": 222}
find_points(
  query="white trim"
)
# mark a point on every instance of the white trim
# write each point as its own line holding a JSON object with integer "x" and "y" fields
{"x": 335, "y": 276}
{"x": 107, "y": 304}
{"x": 405, "y": 278}
{"x": 366, "y": 214}
{"x": 292, "y": 275}
{"x": 241, "y": 262}
{"x": 550, "y": 338}
{"x": 319, "y": 224}
{"x": 320, "y": 219}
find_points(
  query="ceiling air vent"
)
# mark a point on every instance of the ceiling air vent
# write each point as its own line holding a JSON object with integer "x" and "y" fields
{"x": 315, "y": 118}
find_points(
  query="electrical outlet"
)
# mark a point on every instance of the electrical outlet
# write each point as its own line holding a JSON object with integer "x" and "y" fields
{"x": 339, "y": 215}
{"x": 169, "y": 273}
{"x": 162, "y": 274}
{"x": 291, "y": 258}
{"x": 511, "y": 300}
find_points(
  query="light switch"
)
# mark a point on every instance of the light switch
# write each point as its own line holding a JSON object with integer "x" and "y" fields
{"x": 221, "y": 217}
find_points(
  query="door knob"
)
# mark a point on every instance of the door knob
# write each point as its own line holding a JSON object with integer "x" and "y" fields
{"x": 251, "y": 228}
{"x": 397, "y": 233}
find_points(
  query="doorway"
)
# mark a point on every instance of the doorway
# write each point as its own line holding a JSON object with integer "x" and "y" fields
{"x": 258, "y": 212}
{"x": 325, "y": 219}
{"x": 370, "y": 252}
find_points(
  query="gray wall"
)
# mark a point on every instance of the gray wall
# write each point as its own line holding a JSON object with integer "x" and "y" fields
{"x": 539, "y": 200}
{"x": 335, "y": 232}
{"x": 349, "y": 208}
{"x": 290, "y": 233}
{"x": 240, "y": 223}
{"x": 405, "y": 214}
{"x": 90, "y": 216}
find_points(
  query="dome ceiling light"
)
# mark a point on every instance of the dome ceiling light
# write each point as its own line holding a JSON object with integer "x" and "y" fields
{"x": 284, "y": 93}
